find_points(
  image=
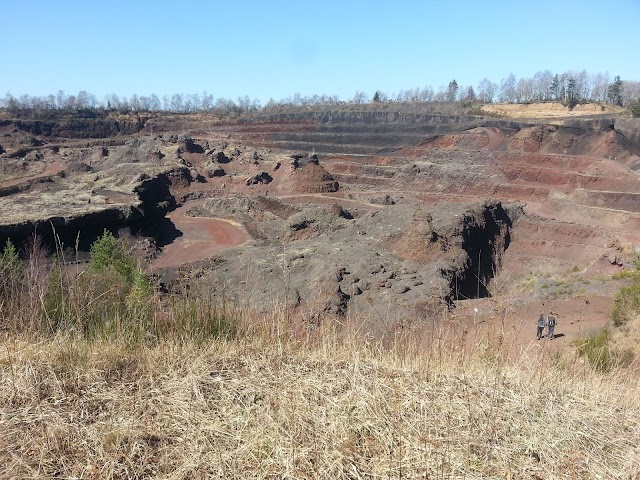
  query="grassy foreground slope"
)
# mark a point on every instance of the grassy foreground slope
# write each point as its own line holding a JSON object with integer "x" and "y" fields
{"x": 326, "y": 405}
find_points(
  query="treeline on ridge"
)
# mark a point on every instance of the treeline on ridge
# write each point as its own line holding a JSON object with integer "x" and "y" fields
{"x": 569, "y": 87}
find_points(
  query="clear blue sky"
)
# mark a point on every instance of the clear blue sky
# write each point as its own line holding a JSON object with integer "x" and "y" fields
{"x": 277, "y": 48}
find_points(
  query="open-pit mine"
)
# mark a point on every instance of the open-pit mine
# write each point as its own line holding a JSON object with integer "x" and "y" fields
{"x": 396, "y": 218}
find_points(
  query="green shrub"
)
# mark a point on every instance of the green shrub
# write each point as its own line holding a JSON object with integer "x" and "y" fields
{"x": 600, "y": 354}
{"x": 111, "y": 298}
{"x": 597, "y": 350}
{"x": 635, "y": 109}
{"x": 9, "y": 258}
{"x": 108, "y": 251}
{"x": 11, "y": 273}
{"x": 572, "y": 103}
{"x": 626, "y": 303}
{"x": 199, "y": 318}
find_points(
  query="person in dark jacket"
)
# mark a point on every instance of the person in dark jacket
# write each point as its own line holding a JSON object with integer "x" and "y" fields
{"x": 541, "y": 323}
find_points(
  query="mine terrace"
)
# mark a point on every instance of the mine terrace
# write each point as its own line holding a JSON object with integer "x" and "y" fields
{"x": 396, "y": 214}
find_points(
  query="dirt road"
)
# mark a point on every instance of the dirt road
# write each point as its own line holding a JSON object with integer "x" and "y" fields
{"x": 202, "y": 237}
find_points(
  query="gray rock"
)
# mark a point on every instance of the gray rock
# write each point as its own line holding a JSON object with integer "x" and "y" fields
{"x": 213, "y": 170}
{"x": 400, "y": 288}
{"x": 262, "y": 177}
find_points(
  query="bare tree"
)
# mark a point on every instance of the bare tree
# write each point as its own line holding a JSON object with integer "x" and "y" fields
{"x": 600, "y": 86}
{"x": 134, "y": 102}
{"x": 85, "y": 100}
{"x": 206, "y": 101}
{"x": 145, "y": 103}
{"x": 360, "y": 97}
{"x": 426, "y": 94}
{"x": 541, "y": 85}
{"x": 508, "y": 89}
{"x": 630, "y": 93}
{"x": 524, "y": 90}
{"x": 176, "y": 103}
{"x": 583, "y": 85}
{"x": 60, "y": 99}
{"x": 487, "y": 90}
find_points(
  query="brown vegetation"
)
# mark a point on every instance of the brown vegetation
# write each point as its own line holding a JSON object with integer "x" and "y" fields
{"x": 327, "y": 405}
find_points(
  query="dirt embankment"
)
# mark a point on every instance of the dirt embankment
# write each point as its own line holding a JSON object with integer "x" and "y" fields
{"x": 74, "y": 127}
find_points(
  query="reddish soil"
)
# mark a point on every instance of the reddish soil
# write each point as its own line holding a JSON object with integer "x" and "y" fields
{"x": 201, "y": 238}
{"x": 513, "y": 320}
{"x": 49, "y": 169}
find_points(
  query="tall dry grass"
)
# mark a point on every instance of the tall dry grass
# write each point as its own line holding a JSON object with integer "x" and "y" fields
{"x": 275, "y": 397}
{"x": 327, "y": 406}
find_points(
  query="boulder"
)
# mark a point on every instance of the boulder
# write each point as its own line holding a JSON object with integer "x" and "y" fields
{"x": 262, "y": 178}
{"x": 214, "y": 170}
{"x": 220, "y": 157}
{"x": 400, "y": 288}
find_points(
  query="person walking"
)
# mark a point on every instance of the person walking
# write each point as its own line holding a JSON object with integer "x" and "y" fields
{"x": 551, "y": 325}
{"x": 541, "y": 323}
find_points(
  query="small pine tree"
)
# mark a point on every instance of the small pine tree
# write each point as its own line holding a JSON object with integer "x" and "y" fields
{"x": 11, "y": 273}
{"x": 452, "y": 91}
{"x": 614, "y": 93}
{"x": 107, "y": 252}
{"x": 9, "y": 258}
{"x": 572, "y": 93}
{"x": 376, "y": 96}
{"x": 635, "y": 109}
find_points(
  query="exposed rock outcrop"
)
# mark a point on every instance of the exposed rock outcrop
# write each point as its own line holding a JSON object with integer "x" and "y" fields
{"x": 262, "y": 177}
{"x": 74, "y": 127}
{"x": 628, "y": 130}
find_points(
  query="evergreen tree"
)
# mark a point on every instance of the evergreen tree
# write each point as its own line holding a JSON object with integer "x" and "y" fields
{"x": 108, "y": 252}
{"x": 376, "y": 96}
{"x": 572, "y": 93}
{"x": 452, "y": 91}
{"x": 614, "y": 93}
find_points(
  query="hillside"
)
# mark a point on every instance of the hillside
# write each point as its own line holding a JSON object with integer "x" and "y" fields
{"x": 344, "y": 293}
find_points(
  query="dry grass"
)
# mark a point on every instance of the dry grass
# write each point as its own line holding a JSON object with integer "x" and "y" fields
{"x": 184, "y": 389}
{"x": 550, "y": 109}
{"x": 328, "y": 406}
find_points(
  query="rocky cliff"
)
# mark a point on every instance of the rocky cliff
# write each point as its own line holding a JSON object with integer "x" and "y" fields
{"x": 628, "y": 130}
{"x": 78, "y": 127}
